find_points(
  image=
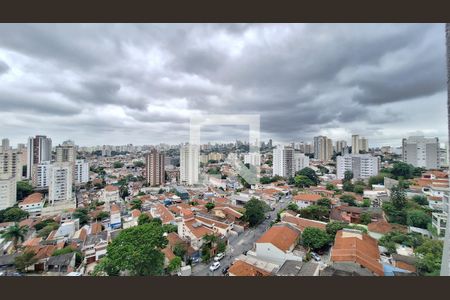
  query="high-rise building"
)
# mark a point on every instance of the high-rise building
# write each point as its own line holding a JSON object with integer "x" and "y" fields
{"x": 154, "y": 168}
{"x": 66, "y": 153}
{"x": 189, "y": 155}
{"x": 5, "y": 145}
{"x": 39, "y": 150}
{"x": 364, "y": 144}
{"x": 8, "y": 191}
{"x": 81, "y": 171}
{"x": 323, "y": 148}
{"x": 60, "y": 183}
{"x": 362, "y": 166}
{"x": 283, "y": 161}
{"x": 421, "y": 152}
{"x": 10, "y": 163}
{"x": 340, "y": 145}
{"x": 301, "y": 161}
{"x": 355, "y": 144}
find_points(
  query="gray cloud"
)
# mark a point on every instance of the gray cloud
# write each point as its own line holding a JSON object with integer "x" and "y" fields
{"x": 122, "y": 83}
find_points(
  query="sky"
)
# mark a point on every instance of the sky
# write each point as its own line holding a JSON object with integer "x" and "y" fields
{"x": 141, "y": 83}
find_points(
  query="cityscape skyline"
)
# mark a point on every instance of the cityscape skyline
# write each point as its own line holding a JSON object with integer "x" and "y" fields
{"x": 378, "y": 89}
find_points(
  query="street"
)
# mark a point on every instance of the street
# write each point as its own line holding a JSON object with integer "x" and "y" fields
{"x": 239, "y": 244}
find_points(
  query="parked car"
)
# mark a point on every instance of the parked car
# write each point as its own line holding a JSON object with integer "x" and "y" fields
{"x": 219, "y": 256}
{"x": 225, "y": 270}
{"x": 214, "y": 266}
{"x": 196, "y": 260}
{"x": 315, "y": 256}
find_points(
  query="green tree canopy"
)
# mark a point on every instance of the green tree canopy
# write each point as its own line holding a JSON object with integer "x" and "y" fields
{"x": 365, "y": 218}
{"x": 136, "y": 204}
{"x": 254, "y": 211}
{"x": 14, "y": 214}
{"x": 82, "y": 215}
{"x": 324, "y": 202}
{"x": 118, "y": 164}
{"x": 315, "y": 212}
{"x": 348, "y": 198}
{"x": 302, "y": 181}
{"x": 378, "y": 179}
{"x": 24, "y": 188}
{"x": 209, "y": 206}
{"x": 315, "y": 238}
{"x": 138, "y": 251}
{"x": 15, "y": 233}
{"x": 430, "y": 257}
{"x": 144, "y": 219}
{"x": 418, "y": 218}
{"x": 174, "y": 264}
{"x": 310, "y": 173}
{"x": 25, "y": 260}
{"x": 398, "y": 197}
{"x": 420, "y": 199}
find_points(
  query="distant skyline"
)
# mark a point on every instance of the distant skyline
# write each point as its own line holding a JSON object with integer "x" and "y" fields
{"x": 124, "y": 83}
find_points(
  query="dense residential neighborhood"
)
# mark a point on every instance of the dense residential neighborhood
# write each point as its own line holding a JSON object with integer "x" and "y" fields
{"x": 141, "y": 210}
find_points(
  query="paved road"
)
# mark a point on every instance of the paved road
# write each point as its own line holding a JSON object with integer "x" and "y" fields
{"x": 238, "y": 245}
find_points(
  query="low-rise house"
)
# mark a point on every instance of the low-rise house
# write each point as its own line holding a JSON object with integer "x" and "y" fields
{"x": 299, "y": 268}
{"x": 163, "y": 213}
{"x": 381, "y": 227}
{"x": 277, "y": 244}
{"x": 33, "y": 204}
{"x": 353, "y": 246}
{"x": 61, "y": 264}
{"x": 95, "y": 247}
{"x": 352, "y": 214}
{"x": 241, "y": 268}
{"x": 302, "y": 223}
{"x": 305, "y": 200}
{"x": 192, "y": 230}
{"x": 110, "y": 194}
{"x": 115, "y": 217}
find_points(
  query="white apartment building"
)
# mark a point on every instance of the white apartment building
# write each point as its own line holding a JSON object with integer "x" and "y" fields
{"x": 60, "y": 183}
{"x": 421, "y": 152}
{"x": 8, "y": 192}
{"x": 39, "y": 150}
{"x": 355, "y": 144}
{"x": 283, "y": 161}
{"x": 41, "y": 176}
{"x": 81, "y": 171}
{"x": 340, "y": 145}
{"x": 301, "y": 161}
{"x": 252, "y": 159}
{"x": 364, "y": 144}
{"x": 362, "y": 165}
{"x": 189, "y": 156}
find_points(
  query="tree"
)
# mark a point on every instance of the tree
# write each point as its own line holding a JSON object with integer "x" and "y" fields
{"x": 221, "y": 246}
{"x": 180, "y": 250}
{"x": 117, "y": 165}
{"x": 82, "y": 215}
{"x": 378, "y": 179}
{"x": 417, "y": 218}
{"x": 136, "y": 204}
{"x": 292, "y": 206}
{"x": 348, "y": 176}
{"x": 310, "y": 173}
{"x": 14, "y": 214}
{"x": 209, "y": 241}
{"x": 24, "y": 189}
{"x": 123, "y": 191}
{"x": 330, "y": 187}
{"x": 138, "y": 250}
{"x": 209, "y": 206}
{"x": 44, "y": 223}
{"x": 333, "y": 227}
{"x": 347, "y": 186}
{"x": 429, "y": 257}
{"x": 143, "y": 219}
{"x": 359, "y": 189}
{"x": 25, "y": 260}
{"x": 366, "y": 203}
{"x": 102, "y": 215}
{"x": 139, "y": 164}
{"x": 398, "y": 197}
{"x": 365, "y": 218}
{"x": 324, "y": 202}
{"x": 303, "y": 181}
{"x": 15, "y": 233}
{"x": 315, "y": 238}
{"x": 174, "y": 264}
{"x": 347, "y": 198}
{"x": 254, "y": 211}
{"x": 315, "y": 212}
{"x": 44, "y": 232}
{"x": 420, "y": 199}
{"x": 161, "y": 191}
{"x": 168, "y": 228}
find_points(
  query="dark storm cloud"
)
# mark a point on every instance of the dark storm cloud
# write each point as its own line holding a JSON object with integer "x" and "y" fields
{"x": 149, "y": 79}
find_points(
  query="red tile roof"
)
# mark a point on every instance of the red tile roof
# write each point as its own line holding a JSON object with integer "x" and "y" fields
{"x": 32, "y": 199}
{"x": 241, "y": 268}
{"x": 281, "y": 236}
{"x": 302, "y": 223}
{"x": 307, "y": 197}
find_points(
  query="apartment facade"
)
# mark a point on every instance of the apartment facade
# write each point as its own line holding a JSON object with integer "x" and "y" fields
{"x": 39, "y": 150}
{"x": 8, "y": 192}
{"x": 283, "y": 161}
{"x": 41, "y": 176}
{"x": 81, "y": 171}
{"x": 323, "y": 148}
{"x": 189, "y": 163}
{"x": 10, "y": 163}
{"x": 60, "y": 183}
{"x": 154, "y": 168}
{"x": 421, "y": 152}
{"x": 362, "y": 166}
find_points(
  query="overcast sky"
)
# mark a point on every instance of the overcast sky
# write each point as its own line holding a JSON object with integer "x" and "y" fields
{"x": 140, "y": 84}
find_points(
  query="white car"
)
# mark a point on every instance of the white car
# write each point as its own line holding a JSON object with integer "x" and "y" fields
{"x": 219, "y": 256}
{"x": 315, "y": 256}
{"x": 214, "y": 266}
